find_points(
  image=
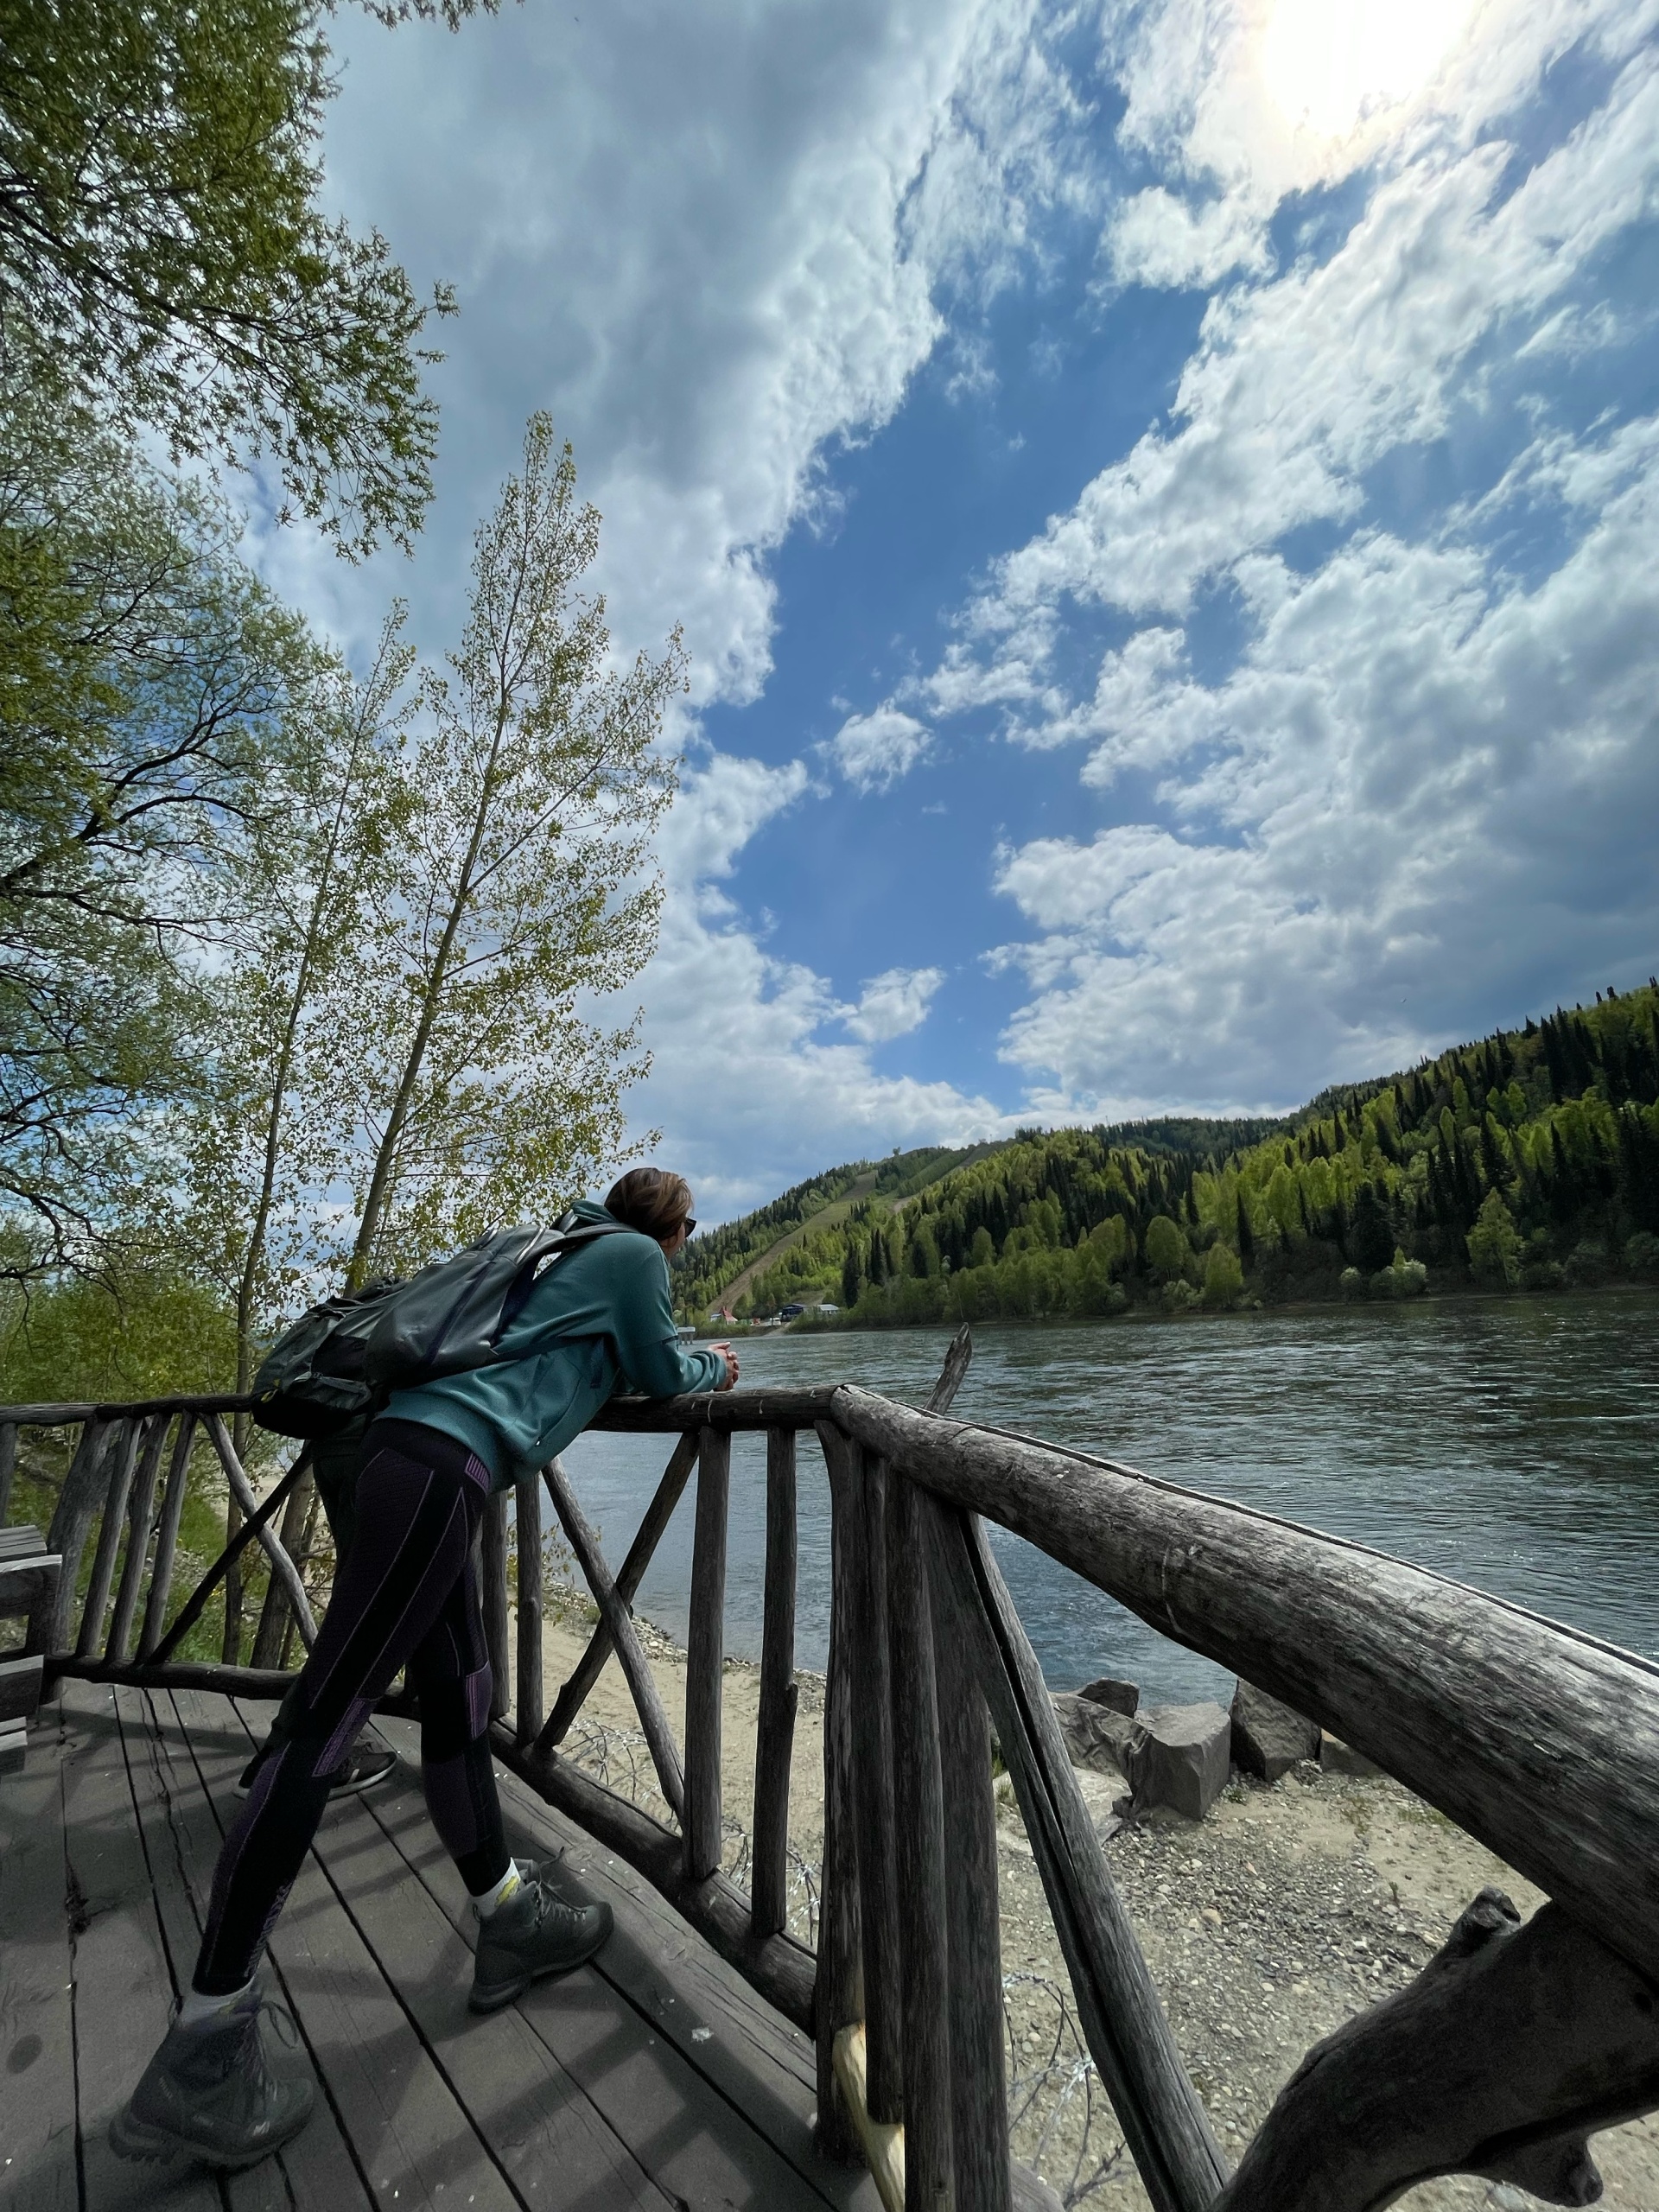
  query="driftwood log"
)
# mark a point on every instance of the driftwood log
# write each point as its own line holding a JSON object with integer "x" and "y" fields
{"x": 124, "y": 1459}
{"x": 195, "y": 1605}
{"x": 527, "y": 1538}
{"x": 722, "y": 1410}
{"x": 492, "y": 1598}
{"x": 1539, "y": 1740}
{"x": 72, "y": 1521}
{"x": 166, "y": 1536}
{"x": 142, "y": 1521}
{"x": 918, "y": 1825}
{"x": 1513, "y": 2045}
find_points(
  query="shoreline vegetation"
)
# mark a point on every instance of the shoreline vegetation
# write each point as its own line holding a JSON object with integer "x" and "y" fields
{"x": 1526, "y": 1161}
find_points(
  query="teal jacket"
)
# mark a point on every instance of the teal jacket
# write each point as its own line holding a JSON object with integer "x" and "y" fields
{"x": 601, "y": 1312}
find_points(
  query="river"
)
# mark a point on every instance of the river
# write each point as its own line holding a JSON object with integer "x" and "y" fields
{"x": 1510, "y": 1443}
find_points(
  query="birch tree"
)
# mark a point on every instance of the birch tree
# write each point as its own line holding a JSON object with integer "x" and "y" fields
{"x": 276, "y": 1140}
{"x": 489, "y": 1089}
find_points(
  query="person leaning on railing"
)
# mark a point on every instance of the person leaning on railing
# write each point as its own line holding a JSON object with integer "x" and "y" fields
{"x": 219, "y": 2088}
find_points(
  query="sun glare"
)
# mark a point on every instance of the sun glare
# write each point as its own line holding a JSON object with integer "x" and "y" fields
{"x": 1330, "y": 62}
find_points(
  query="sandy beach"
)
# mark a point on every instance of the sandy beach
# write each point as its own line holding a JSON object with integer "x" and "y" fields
{"x": 1284, "y": 1912}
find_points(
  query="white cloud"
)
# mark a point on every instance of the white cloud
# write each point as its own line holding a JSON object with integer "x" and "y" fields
{"x": 1301, "y": 386}
{"x": 707, "y": 239}
{"x": 713, "y": 240}
{"x": 893, "y": 1004}
{"x": 1424, "y": 788}
{"x": 1157, "y": 238}
{"x": 716, "y": 240}
{"x": 874, "y": 751}
{"x": 1422, "y": 798}
{"x": 749, "y": 1097}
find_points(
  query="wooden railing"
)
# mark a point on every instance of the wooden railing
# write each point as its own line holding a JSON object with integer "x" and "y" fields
{"x": 1515, "y": 2044}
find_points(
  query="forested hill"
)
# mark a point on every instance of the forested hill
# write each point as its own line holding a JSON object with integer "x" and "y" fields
{"x": 1528, "y": 1159}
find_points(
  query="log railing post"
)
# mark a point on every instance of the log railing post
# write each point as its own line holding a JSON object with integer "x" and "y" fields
{"x": 8, "y": 1467}
{"x": 839, "y": 1995}
{"x": 919, "y": 1831}
{"x": 253, "y": 1528}
{"x": 166, "y": 1537}
{"x": 1168, "y": 2130}
{"x": 775, "y": 1725}
{"x": 979, "y": 2108}
{"x": 120, "y": 1461}
{"x": 873, "y": 1794}
{"x": 493, "y": 1591}
{"x": 282, "y": 1566}
{"x": 71, "y": 1520}
{"x": 527, "y": 1524}
{"x": 141, "y": 1520}
{"x": 272, "y": 1635}
{"x": 705, "y": 1657}
{"x": 630, "y": 1575}
{"x": 642, "y": 1683}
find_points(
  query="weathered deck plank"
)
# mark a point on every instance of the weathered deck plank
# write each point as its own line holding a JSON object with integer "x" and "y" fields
{"x": 652, "y": 2079}
{"x": 408, "y": 2130}
{"x": 557, "y": 2146}
{"x": 761, "y": 2066}
{"x": 37, "y": 2055}
{"x": 702, "y": 2150}
{"x": 123, "y": 1991}
{"x": 182, "y": 1838}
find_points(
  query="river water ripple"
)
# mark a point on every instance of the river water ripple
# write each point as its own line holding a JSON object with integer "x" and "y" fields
{"x": 1510, "y": 1443}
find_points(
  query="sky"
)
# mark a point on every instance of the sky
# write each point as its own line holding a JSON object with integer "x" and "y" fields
{"x": 1162, "y": 502}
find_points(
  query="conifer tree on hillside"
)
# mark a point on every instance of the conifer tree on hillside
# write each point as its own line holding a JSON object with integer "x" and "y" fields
{"x": 1558, "y": 1123}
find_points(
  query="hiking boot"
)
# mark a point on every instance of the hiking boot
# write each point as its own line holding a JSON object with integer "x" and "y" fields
{"x": 224, "y": 2092}
{"x": 368, "y": 1761}
{"x": 532, "y": 1934}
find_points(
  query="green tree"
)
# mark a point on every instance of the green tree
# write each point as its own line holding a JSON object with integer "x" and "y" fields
{"x": 272, "y": 1133}
{"x": 852, "y": 1274}
{"x": 1111, "y": 1237}
{"x": 1370, "y": 1233}
{"x": 1495, "y": 1244}
{"x": 522, "y": 882}
{"x": 1223, "y": 1279}
{"x": 1284, "y": 1201}
{"x": 144, "y": 676}
{"x": 880, "y": 1270}
{"x": 923, "y": 1252}
{"x": 1165, "y": 1247}
{"x": 981, "y": 1253}
{"x": 164, "y": 253}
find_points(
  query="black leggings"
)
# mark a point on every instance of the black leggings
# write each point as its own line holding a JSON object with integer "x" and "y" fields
{"x": 405, "y": 1594}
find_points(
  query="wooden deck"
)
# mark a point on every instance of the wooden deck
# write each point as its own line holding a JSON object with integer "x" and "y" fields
{"x": 651, "y": 2078}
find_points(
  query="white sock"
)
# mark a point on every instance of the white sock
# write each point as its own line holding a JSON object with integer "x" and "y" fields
{"x": 486, "y": 1904}
{"x": 199, "y": 2010}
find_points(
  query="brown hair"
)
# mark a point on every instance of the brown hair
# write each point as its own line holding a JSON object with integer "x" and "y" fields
{"x": 650, "y": 1199}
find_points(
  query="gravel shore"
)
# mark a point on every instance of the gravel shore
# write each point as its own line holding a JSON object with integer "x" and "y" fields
{"x": 1266, "y": 1925}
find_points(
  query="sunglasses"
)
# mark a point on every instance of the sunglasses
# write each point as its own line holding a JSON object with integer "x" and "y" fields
{"x": 690, "y": 1224}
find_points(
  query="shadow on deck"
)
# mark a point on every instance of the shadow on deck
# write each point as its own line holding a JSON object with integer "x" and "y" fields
{"x": 652, "y": 2077}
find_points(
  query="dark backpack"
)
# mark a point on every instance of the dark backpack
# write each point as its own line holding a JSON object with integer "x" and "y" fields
{"x": 346, "y": 1355}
